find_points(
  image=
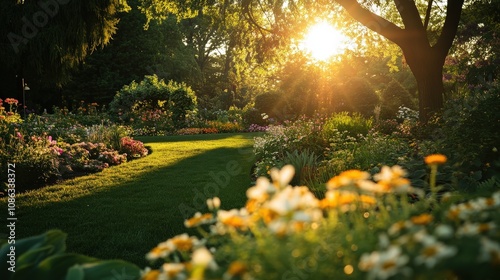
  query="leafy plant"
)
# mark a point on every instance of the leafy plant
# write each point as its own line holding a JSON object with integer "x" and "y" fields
{"x": 43, "y": 257}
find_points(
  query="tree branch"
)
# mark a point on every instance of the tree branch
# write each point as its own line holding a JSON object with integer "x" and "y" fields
{"x": 374, "y": 22}
{"x": 428, "y": 14}
{"x": 409, "y": 14}
{"x": 453, "y": 12}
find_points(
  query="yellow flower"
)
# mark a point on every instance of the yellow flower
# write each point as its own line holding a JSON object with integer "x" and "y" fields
{"x": 183, "y": 242}
{"x": 347, "y": 178}
{"x": 435, "y": 159}
{"x": 236, "y": 268}
{"x": 198, "y": 219}
{"x": 174, "y": 270}
{"x": 423, "y": 219}
{"x": 151, "y": 275}
{"x": 234, "y": 218}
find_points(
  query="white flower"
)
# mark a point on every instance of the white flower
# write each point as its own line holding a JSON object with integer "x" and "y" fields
{"x": 174, "y": 271}
{"x": 388, "y": 173}
{"x": 444, "y": 231}
{"x": 475, "y": 228}
{"x": 213, "y": 203}
{"x": 262, "y": 190}
{"x": 490, "y": 251}
{"x": 433, "y": 252}
{"x": 284, "y": 176}
{"x": 203, "y": 257}
{"x": 385, "y": 264}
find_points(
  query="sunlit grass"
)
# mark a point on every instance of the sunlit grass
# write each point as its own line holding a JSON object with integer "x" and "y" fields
{"x": 125, "y": 210}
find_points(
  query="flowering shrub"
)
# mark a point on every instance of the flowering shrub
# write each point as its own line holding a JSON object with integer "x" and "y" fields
{"x": 225, "y": 127}
{"x": 10, "y": 115}
{"x": 271, "y": 148}
{"x": 195, "y": 130}
{"x": 133, "y": 148}
{"x": 35, "y": 159}
{"x": 257, "y": 128}
{"x": 285, "y": 232}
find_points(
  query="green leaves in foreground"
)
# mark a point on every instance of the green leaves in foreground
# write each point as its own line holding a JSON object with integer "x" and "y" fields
{"x": 44, "y": 257}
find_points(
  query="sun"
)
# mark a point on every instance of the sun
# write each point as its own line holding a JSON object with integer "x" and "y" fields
{"x": 323, "y": 41}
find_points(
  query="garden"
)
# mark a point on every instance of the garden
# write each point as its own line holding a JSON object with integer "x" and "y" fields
{"x": 241, "y": 140}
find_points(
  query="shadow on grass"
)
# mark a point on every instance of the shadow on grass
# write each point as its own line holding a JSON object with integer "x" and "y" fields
{"x": 126, "y": 220}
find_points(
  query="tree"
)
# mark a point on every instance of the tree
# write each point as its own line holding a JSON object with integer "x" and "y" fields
{"x": 424, "y": 48}
{"x": 133, "y": 53}
{"x": 42, "y": 40}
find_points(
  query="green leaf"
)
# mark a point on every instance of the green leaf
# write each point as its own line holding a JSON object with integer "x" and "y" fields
{"x": 52, "y": 268}
{"x": 55, "y": 239}
{"x": 112, "y": 269}
{"x": 418, "y": 174}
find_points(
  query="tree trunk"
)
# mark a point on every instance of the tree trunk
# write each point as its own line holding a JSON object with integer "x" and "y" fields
{"x": 427, "y": 67}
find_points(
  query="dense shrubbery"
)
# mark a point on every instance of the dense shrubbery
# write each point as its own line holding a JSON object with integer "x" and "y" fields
{"x": 153, "y": 105}
{"x": 393, "y": 97}
{"x": 49, "y": 147}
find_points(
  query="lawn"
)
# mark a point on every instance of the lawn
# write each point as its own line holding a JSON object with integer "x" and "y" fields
{"x": 125, "y": 210}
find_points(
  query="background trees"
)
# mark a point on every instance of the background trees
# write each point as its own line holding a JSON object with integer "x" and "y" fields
{"x": 42, "y": 40}
{"x": 214, "y": 47}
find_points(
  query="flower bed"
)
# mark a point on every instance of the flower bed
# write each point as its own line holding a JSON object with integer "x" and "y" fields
{"x": 365, "y": 228}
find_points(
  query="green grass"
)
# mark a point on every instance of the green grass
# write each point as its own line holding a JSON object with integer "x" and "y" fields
{"x": 126, "y": 210}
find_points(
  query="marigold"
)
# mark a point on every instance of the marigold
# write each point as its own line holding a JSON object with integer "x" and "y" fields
{"x": 435, "y": 159}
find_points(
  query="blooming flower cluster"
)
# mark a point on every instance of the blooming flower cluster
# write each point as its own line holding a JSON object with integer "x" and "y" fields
{"x": 426, "y": 240}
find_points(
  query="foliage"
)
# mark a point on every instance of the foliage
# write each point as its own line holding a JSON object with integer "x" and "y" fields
{"x": 469, "y": 131}
{"x": 195, "y": 130}
{"x": 428, "y": 238}
{"x": 30, "y": 30}
{"x": 133, "y": 148}
{"x": 153, "y": 101}
{"x": 271, "y": 148}
{"x": 304, "y": 162}
{"x": 44, "y": 257}
{"x": 353, "y": 124}
{"x": 35, "y": 159}
{"x": 269, "y": 103}
{"x": 392, "y": 97}
{"x": 357, "y": 95}
{"x": 139, "y": 184}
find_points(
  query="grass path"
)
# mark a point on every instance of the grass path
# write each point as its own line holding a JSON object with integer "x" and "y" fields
{"x": 125, "y": 210}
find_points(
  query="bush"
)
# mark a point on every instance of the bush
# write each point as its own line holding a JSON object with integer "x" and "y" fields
{"x": 392, "y": 97}
{"x": 269, "y": 103}
{"x": 469, "y": 131}
{"x": 357, "y": 95}
{"x": 302, "y": 134}
{"x": 133, "y": 148}
{"x": 153, "y": 100}
{"x": 36, "y": 161}
{"x": 352, "y": 124}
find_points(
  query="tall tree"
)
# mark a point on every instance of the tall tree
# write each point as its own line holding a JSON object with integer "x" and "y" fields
{"x": 424, "y": 52}
{"x": 42, "y": 40}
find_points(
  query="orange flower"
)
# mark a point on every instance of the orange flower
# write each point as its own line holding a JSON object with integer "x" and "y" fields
{"x": 198, "y": 219}
{"x": 347, "y": 178}
{"x": 236, "y": 268}
{"x": 435, "y": 159}
{"x": 151, "y": 275}
{"x": 422, "y": 219}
